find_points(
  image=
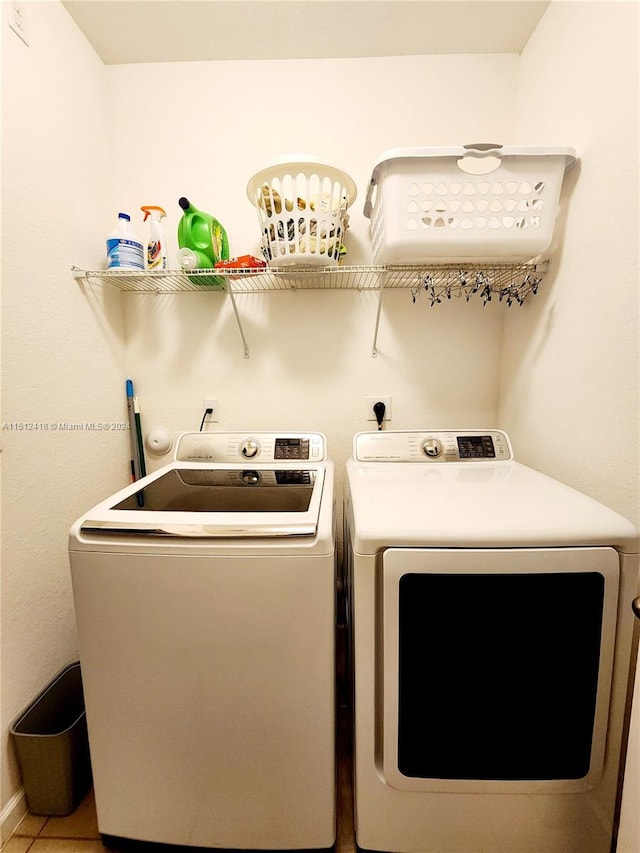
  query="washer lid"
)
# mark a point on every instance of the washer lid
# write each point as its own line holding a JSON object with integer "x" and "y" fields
{"x": 220, "y": 501}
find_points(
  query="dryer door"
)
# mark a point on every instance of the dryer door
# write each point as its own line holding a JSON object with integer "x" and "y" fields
{"x": 496, "y": 667}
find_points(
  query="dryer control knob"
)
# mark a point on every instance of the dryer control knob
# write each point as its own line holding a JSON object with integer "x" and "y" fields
{"x": 250, "y": 448}
{"x": 431, "y": 447}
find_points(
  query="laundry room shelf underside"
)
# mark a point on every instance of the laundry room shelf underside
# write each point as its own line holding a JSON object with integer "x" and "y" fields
{"x": 510, "y": 283}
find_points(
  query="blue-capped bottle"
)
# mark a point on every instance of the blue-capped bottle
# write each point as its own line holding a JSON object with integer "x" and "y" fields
{"x": 124, "y": 248}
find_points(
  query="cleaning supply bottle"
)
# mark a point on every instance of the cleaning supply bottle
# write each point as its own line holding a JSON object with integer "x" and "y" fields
{"x": 156, "y": 246}
{"x": 124, "y": 249}
{"x": 206, "y": 240}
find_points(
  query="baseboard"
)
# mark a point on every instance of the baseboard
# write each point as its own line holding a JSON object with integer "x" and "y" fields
{"x": 12, "y": 814}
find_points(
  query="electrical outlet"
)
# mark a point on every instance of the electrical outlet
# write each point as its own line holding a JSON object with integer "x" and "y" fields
{"x": 17, "y": 20}
{"x": 371, "y": 401}
{"x": 210, "y": 403}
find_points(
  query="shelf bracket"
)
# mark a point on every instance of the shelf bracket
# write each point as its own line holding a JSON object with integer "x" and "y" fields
{"x": 374, "y": 347}
{"x": 238, "y": 321}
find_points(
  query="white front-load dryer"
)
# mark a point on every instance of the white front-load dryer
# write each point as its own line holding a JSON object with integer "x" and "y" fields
{"x": 205, "y": 604}
{"x": 491, "y": 627}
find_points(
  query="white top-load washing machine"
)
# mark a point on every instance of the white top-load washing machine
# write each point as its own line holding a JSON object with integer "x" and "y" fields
{"x": 205, "y": 602}
{"x": 491, "y": 628}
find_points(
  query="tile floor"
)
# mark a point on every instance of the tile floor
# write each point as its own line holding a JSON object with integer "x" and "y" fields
{"x": 77, "y": 833}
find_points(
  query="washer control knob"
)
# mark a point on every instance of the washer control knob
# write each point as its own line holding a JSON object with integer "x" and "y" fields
{"x": 251, "y": 478}
{"x": 250, "y": 448}
{"x": 431, "y": 447}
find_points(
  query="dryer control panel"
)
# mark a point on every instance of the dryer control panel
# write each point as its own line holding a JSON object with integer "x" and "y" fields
{"x": 255, "y": 446}
{"x": 432, "y": 446}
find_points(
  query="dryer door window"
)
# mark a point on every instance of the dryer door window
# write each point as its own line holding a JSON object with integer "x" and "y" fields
{"x": 497, "y": 666}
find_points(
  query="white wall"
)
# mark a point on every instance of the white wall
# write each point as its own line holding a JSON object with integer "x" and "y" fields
{"x": 570, "y": 383}
{"x": 61, "y": 349}
{"x": 310, "y": 364}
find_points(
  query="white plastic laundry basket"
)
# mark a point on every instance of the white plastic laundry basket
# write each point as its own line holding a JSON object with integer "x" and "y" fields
{"x": 480, "y": 202}
{"x": 302, "y": 209}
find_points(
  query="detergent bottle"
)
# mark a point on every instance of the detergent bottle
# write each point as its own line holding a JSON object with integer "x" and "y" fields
{"x": 156, "y": 258}
{"x": 202, "y": 241}
{"x": 124, "y": 249}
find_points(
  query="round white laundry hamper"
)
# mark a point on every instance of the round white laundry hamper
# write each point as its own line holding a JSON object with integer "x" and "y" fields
{"x": 302, "y": 206}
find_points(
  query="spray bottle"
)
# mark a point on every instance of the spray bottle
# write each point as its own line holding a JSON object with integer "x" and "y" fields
{"x": 156, "y": 258}
{"x": 202, "y": 241}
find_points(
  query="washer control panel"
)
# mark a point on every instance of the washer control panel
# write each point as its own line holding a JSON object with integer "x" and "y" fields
{"x": 432, "y": 446}
{"x": 266, "y": 447}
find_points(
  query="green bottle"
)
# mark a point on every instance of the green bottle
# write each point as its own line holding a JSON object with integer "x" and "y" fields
{"x": 202, "y": 241}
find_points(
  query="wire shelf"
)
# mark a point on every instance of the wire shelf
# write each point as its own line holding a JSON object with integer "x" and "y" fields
{"x": 438, "y": 282}
{"x": 513, "y": 282}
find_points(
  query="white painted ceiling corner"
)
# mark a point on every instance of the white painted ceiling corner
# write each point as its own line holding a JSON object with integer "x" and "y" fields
{"x": 132, "y": 31}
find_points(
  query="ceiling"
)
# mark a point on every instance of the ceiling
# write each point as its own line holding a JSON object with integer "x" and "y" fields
{"x": 126, "y": 31}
